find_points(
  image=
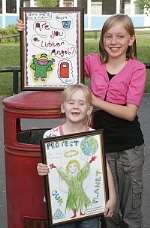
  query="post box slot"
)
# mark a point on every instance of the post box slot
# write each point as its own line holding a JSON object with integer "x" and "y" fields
{"x": 30, "y": 131}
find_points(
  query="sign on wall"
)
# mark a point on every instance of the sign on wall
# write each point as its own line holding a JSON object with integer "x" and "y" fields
{"x": 52, "y": 48}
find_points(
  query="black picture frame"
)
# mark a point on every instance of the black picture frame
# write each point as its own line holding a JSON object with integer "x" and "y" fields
{"x": 83, "y": 151}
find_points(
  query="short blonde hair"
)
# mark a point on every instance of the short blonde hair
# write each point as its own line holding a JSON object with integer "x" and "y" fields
{"x": 128, "y": 25}
{"x": 70, "y": 90}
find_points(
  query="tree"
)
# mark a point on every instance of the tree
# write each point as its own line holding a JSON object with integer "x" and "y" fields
{"x": 47, "y": 3}
{"x": 144, "y": 4}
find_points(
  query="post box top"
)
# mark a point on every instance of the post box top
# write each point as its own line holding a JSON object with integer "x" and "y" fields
{"x": 34, "y": 100}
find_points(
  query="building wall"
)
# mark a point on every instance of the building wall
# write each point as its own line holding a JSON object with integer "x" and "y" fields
{"x": 97, "y": 22}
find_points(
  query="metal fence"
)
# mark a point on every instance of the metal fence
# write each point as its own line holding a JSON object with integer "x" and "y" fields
{"x": 9, "y": 38}
{"x": 15, "y": 71}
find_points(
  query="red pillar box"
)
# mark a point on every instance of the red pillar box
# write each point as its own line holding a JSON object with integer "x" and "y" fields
{"x": 24, "y": 188}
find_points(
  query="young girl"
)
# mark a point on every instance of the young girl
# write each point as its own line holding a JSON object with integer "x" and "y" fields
{"x": 77, "y": 107}
{"x": 117, "y": 83}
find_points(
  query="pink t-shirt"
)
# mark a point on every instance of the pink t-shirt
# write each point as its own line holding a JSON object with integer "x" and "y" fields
{"x": 126, "y": 87}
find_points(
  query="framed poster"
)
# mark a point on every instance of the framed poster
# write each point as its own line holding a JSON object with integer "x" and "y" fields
{"x": 76, "y": 185}
{"x": 52, "y": 48}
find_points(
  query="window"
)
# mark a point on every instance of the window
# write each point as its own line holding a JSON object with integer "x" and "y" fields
{"x": 10, "y": 6}
{"x": 0, "y": 6}
{"x": 96, "y": 7}
{"x": 26, "y": 3}
{"x": 83, "y": 4}
{"x": 138, "y": 9}
{"x": 68, "y": 3}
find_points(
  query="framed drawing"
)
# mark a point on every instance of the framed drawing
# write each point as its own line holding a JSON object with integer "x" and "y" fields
{"x": 76, "y": 185}
{"x": 52, "y": 47}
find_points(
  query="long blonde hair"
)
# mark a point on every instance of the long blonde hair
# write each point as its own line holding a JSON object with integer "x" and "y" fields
{"x": 70, "y": 90}
{"x": 128, "y": 25}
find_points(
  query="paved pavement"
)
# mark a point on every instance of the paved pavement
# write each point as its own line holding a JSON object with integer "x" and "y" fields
{"x": 144, "y": 115}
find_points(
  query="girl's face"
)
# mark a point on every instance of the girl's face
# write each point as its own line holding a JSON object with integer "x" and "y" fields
{"x": 76, "y": 108}
{"x": 116, "y": 41}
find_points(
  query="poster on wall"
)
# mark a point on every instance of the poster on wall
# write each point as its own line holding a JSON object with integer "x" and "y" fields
{"x": 51, "y": 48}
{"x": 76, "y": 185}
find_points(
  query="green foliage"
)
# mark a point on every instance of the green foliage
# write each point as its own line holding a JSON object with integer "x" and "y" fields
{"x": 9, "y": 56}
{"x": 9, "y": 34}
{"x": 47, "y": 3}
{"x": 10, "y": 29}
{"x": 144, "y": 4}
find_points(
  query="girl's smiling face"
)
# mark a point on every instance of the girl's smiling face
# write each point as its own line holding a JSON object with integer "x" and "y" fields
{"x": 117, "y": 40}
{"x": 76, "y": 108}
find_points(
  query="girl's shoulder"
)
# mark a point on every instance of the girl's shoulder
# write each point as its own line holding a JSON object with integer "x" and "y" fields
{"x": 52, "y": 132}
{"x": 135, "y": 63}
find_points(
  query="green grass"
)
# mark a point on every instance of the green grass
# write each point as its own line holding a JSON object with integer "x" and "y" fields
{"x": 10, "y": 56}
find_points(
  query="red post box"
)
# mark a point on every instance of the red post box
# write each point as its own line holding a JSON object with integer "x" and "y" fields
{"x": 24, "y": 188}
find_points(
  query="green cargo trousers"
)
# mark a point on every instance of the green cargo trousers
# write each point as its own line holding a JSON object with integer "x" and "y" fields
{"x": 127, "y": 170}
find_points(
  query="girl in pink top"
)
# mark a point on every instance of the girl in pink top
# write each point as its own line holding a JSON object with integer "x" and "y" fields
{"x": 117, "y": 81}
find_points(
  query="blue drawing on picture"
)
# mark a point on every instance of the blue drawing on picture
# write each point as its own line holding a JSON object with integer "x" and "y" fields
{"x": 89, "y": 146}
{"x": 58, "y": 214}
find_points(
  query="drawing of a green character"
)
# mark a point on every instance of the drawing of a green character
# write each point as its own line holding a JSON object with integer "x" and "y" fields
{"x": 41, "y": 66}
{"x": 77, "y": 200}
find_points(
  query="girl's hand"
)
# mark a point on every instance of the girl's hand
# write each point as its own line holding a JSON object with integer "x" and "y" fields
{"x": 42, "y": 169}
{"x": 110, "y": 208}
{"x": 20, "y": 25}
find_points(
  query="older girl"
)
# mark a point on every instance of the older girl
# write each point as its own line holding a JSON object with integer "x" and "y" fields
{"x": 117, "y": 82}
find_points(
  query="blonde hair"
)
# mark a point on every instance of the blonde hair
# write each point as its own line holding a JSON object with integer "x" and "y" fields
{"x": 128, "y": 25}
{"x": 70, "y": 90}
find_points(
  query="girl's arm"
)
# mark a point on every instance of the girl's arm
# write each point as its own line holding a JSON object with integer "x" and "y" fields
{"x": 133, "y": 97}
{"x": 20, "y": 25}
{"x": 111, "y": 203}
{"x": 127, "y": 112}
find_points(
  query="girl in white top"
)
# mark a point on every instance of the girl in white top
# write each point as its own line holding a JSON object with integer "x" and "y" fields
{"x": 77, "y": 106}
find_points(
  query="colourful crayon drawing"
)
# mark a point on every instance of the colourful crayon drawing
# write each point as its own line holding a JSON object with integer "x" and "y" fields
{"x": 76, "y": 177}
{"x": 53, "y": 54}
{"x": 41, "y": 66}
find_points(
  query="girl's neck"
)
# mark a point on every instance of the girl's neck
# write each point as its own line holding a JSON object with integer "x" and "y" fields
{"x": 114, "y": 66}
{"x": 72, "y": 128}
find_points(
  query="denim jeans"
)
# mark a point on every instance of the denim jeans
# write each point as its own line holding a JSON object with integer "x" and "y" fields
{"x": 127, "y": 170}
{"x": 88, "y": 223}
